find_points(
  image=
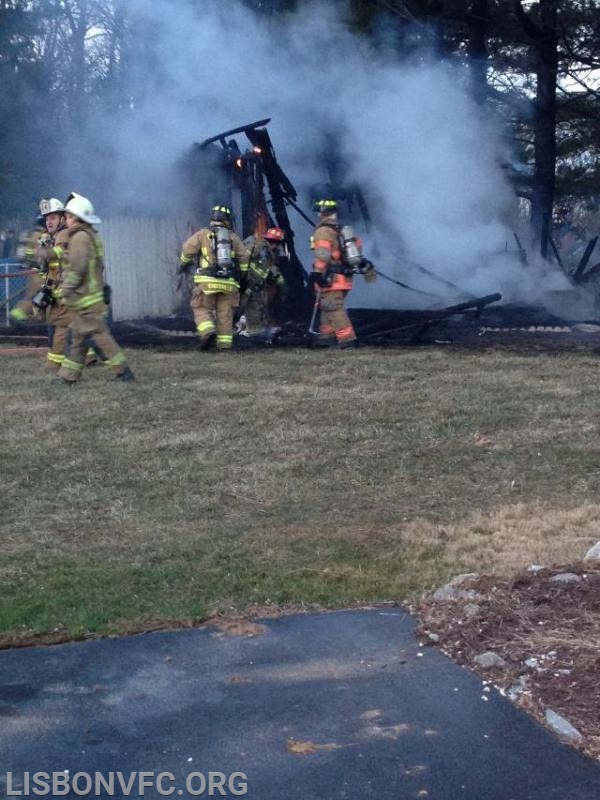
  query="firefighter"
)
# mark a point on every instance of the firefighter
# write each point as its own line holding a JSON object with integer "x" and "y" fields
{"x": 50, "y": 252}
{"x": 83, "y": 293}
{"x": 337, "y": 256}
{"x": 26, "y": 254}
{"x": 221, "y": 261}
{"x": 266, "y": 285}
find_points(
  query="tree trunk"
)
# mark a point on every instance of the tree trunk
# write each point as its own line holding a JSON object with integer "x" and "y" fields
{"x": 78, "y": 20}
{"x": 544, "y": 125}
{"x": 479, "y": 20}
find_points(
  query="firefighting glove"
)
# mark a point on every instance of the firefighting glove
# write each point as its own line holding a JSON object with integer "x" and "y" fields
{"x": 106, "y": 294}
{"x": 317, "y": 279}
{"x": 367, "y": 268}
{"x": 183, "y": 269}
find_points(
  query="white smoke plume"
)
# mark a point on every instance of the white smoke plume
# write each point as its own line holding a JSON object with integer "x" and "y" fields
{"x": 427, "y": 158}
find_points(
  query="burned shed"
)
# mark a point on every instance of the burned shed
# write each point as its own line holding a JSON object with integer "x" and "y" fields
{"x": 239, "y": 167}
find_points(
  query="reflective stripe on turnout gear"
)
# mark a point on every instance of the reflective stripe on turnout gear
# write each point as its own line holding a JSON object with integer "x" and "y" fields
{"x": 117, "y": 360}
{"x": 83, "y": 279}
{"x": 211, "y": 285}
{"x": 325, "y": 243}
{"x": 201, "y": 245}
{"x": 345, "y": 333}
{"x": 205, "y": 327}
{"x": 86, "y": 301}
{"x": 224, "y": 341}
{"x": 72, "y": 365}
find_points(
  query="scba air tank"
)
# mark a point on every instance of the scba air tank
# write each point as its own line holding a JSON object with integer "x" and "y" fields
{"x": 351, "y": 248}
{"x": 223, "y": 249}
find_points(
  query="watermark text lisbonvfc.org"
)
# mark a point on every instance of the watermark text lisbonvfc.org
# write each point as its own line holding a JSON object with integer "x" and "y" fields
{"x": 125, "y": 784}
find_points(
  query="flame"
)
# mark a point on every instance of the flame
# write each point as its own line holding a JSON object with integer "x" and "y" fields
{"x": 261, "y": 224}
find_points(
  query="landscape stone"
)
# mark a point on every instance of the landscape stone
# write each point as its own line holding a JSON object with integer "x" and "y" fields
{"x": 561, "y": 726}
{"x": 566, "y": 577}
{"x": 593, "y": 554}
{"x": 490, "y": 660}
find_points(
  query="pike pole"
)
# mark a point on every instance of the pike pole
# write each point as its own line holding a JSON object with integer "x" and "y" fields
{"x": 313, "y": 319}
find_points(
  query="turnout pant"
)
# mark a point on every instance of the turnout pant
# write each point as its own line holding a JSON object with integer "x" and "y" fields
{"x": 263, "y": 309}
{"x": 256, "y": 312}
{"x": 58, "y": 318}
{"x": 24, "y": 309}
{"x": 335, "y": 323}
{"x": 90, "y": 323}
{"x": 273, "y": 299}
{"x": 213, "y": 314}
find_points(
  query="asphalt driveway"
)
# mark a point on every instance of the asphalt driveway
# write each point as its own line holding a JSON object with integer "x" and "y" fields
{"x": 337, "y": 705}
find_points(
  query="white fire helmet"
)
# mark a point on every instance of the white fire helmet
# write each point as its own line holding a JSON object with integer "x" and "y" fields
{"x": 50, "y": 205}
{"x": 81, "y": 208}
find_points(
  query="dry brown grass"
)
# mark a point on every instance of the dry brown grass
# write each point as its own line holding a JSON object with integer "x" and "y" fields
{"x": 287, "y": 477}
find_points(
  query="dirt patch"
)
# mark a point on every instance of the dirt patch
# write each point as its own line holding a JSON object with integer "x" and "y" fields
{"x": 543, "y": 626}
{"x": 19, "y": 351}
{"x": 240, "y": 627}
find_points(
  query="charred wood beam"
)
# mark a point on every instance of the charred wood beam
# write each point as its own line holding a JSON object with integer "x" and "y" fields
{"x": 299, "y": 210}
{"x": 556, "y": 253}
{"x": 282, "y": 192}
{"x": 369, "y": 330}
{"x": 418, "y": 335}
{"x": 591, "y": 271}
{"x": 425, "y": 318}
{"x": 220, "y": 137}
{"x": 261, "y": 139}
{"x": 477, "y": 303}
{"x": 522, "y": 251}
{"x": 578, "y": 275}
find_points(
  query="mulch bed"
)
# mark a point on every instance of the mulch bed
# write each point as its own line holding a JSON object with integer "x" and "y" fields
{"x": 546, "y": 631}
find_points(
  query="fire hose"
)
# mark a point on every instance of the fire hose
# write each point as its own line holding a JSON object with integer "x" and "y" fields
{"x": 313, "y": 319}
{"x": 404, "y": 285}
{"x": 317, "y": 303}
{"x": 22, "y": 273}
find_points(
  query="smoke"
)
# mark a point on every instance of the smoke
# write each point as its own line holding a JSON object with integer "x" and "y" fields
{"x": 425, "y": 155}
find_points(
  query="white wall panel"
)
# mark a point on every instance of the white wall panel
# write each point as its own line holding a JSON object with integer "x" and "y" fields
{"x": 141, "y": 256}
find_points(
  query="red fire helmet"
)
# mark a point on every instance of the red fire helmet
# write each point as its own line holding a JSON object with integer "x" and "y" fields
{"x": 275, "y": 235}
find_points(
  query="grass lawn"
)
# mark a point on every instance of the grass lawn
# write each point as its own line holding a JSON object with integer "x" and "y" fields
{"x": 219, "y": 482}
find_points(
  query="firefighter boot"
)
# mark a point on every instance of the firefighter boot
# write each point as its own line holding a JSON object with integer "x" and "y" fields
{"x": 323, "y": 341}
{"x": 208, "y": 341}
{"x": 125, "y": 376}
{"x": 92, "y": 358}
